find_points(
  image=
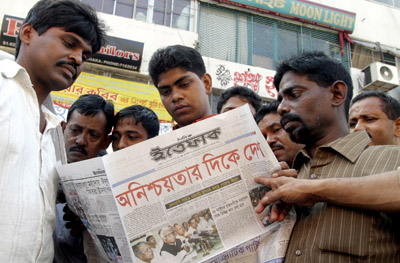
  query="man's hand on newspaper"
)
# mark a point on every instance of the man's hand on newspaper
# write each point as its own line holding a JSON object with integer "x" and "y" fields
{"x": 280, "y": 208}
{"x": 285, "y": 191}
{"x": 286, "y": 171}
{"x": 73, "y": 222}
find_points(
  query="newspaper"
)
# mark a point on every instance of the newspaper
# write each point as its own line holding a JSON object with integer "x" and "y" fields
{"x": 189, "y": 193}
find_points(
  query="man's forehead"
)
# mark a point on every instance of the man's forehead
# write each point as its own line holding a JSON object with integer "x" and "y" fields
{"x": 173, "y": 76}
{"x": 86, "y": 44}
{"x": 127, "y": 121}
{"x": 272, "y": 119}
{"x": 143, "y": 247}
{"x": 368, "y": 105}
{"x": 97, "y": 120}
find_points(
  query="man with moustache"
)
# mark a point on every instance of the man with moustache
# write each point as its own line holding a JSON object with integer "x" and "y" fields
{"x": 378, "y": 114}
{"x": 54, "y": 41}
{"x": 314, "y": 94}
{"x": 268, "y": 120}
{"x": 86, "y": 132}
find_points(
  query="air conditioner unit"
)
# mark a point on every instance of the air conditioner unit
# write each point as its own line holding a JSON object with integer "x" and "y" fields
{"x": 380, "y": 76}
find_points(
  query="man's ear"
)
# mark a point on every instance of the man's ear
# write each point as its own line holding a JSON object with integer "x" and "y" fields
{"x": 63, "y": 125}
{"x": 339, "y": 91}
{"x": 26, "y": 33}
{"x": 107, "y": 142}
{"x": 207, "y": 80}
{"x": 396, "y": 124}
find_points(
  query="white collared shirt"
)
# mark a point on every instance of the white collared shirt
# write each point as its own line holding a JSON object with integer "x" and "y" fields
{"x": 28, "y": 180}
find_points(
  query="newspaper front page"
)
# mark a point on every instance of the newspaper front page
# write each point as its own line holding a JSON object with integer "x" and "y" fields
{"x": 188, "y": 195}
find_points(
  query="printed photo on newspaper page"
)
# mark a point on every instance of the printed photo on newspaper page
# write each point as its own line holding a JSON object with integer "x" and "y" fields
{"x": 185, "y": 196}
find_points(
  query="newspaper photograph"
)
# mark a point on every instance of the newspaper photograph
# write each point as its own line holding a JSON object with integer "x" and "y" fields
{"x": 185, "y": 196}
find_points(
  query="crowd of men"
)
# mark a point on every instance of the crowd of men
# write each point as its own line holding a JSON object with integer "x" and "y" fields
{"x": 338, "y": 155}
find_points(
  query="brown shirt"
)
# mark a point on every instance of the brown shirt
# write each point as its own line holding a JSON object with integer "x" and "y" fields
{"x": 332, "y": 233}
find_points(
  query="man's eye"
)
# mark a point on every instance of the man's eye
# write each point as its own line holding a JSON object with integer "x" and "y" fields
{"x": 294, "y": 94}
{"x": 94, "y": 135}
{"x": 184, "y": 84}
{"x": 74, "y": 130}
{"x": 277, "y": 129}
{"x": 352, "y": 124}
{"x": 68, "y": 44}
{"x": 370, "y": 119}
{"x": 164, "y": 92}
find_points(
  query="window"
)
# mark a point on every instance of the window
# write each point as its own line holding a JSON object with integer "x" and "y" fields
{"x": 395, "y": 3}
{"x": 172, "y": 13}
{"x": 245, "y": 38}
{"x": 364, "y": 54}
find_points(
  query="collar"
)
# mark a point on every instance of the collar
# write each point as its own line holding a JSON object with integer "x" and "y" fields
{"x": 9, "y": 68}
{"x": 350, "y": 147}
{"x": 176, "y": 126}
{"x": 52, "y": 119}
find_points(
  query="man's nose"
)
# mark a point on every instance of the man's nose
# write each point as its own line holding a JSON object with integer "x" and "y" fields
{"x": 283, "y": 108}
{"x": 176, "y": 95}
{"x": 359, "y": 126}
{"x": 76, "y": 56}
{"x": 81, "y": 139}
{"x": 270, "y": 139}
{"x": 122, "y": 144}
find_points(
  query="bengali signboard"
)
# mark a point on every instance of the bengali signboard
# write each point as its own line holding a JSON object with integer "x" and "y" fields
{"x": 122, "y": 93}
{"x": 226, "y": 74}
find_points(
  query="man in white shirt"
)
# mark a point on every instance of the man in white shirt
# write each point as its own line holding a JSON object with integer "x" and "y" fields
{"x": 207, "y": 224}
{"x": 54, "y": 41}
{"x": 173, "y": 249}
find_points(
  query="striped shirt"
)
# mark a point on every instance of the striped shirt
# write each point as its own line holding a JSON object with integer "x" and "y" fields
{"x": 331, "y": 233}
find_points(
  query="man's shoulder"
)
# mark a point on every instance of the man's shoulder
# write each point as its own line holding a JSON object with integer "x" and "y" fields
{"x": 379, "y": 159}
{"x": 382, "y": 149}
{"x": 9, "y": 68}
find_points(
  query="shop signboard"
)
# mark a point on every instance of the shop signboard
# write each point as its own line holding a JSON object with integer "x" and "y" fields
{"x": 121, "y": 93}
{"x": 116, "y": 52}
{"x": 226, "y": 74}
{"x": 303, "y": 11}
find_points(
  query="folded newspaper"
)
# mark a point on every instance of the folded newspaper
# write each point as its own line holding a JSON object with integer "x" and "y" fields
{"x": 185, "y": 196}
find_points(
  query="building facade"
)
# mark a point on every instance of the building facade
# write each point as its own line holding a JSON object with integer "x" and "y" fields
{"x": 241, "y": 42}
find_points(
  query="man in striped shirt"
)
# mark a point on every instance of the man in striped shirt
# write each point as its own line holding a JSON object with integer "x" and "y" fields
{"x": 334, "y": 224}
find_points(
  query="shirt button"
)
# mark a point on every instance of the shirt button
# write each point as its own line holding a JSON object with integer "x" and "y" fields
{"x": 314, "y": 176}
{"x": 298, "y": 252}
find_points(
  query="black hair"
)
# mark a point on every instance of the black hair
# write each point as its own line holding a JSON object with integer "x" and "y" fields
{"x": 271, "y": 107}
{"x": 242, "y": 92}
{"x": 70, "y": 15}
{"x": 141, "y": 114}
{"x": 148, "y": 238}
{"x": 390, "y": 106}
{"x": 176, "y": 56}
{"x": 320, "y": 68}
{"x": 91, "y": 105}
